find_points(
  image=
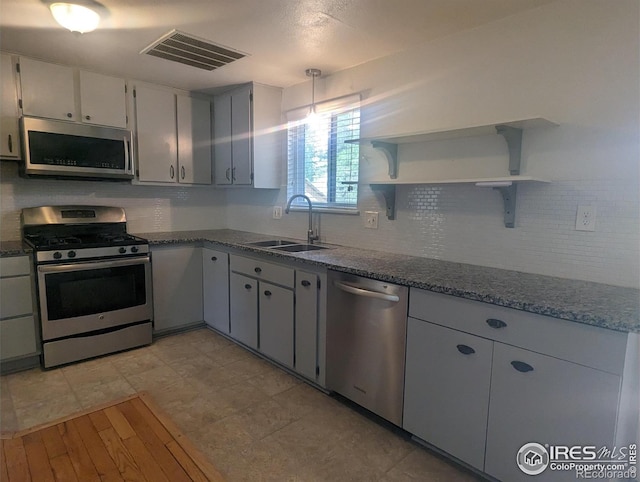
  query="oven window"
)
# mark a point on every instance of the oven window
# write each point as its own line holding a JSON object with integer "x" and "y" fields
{"x": 80, "y": 293}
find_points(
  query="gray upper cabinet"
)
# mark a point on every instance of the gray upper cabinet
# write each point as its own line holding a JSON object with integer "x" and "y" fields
{"x": 60, "y": 92}
{"x": 9, "y": 111}
{"x": 173, "y": 133}
{"x": 248, "y": 137}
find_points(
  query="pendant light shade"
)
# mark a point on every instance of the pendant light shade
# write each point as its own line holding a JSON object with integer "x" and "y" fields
{"x": 74, "y": 17}
{"x": 313, "y": 73}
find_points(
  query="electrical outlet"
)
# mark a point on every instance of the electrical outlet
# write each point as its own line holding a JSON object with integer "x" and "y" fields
{"x": 371, "y": 219}
{"x": 586, "y": 218}
{"x": 277, "y": 212}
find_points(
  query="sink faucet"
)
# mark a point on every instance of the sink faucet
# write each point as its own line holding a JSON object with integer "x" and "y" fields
{"x": 311, "y": 237}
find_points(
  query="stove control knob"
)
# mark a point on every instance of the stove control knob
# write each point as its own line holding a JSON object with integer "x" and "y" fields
{"x": 122, "y": 250}
{"x": 57, "y": 255}
{"x": 71, "y": 254}
{"x": 134, "y": 249}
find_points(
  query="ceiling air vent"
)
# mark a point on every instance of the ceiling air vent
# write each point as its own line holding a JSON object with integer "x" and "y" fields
{"x": 187, "y": 49}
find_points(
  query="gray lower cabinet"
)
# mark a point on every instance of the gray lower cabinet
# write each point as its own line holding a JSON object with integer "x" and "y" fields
{"x": 483, "y": 380}
{"x": 276, "y": 323}
{"x": 243, "y": 296}
{"x": 537, "y": 398}
{"x": 215, "y": 287}
{"x": 307, "y": 292}
{"x": 17, "y": 320}
{"x": 177, "y": 287}
{"x": 447, "y": 389}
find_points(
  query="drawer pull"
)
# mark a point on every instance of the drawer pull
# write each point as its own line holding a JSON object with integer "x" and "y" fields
{"x": 305, "y": 283}
{"x": 495, "y": 323}
{"x": 247, "y": 286}
{"x": 214, "y": 258}
{"x": 258, "y": 270}
{"x": 267, "y": 293}
{"x": 521, "y": 366}
{"x": 465, "y": 350}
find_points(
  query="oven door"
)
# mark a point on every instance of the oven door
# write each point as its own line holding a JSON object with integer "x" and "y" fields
{"x": 82, "y": 297}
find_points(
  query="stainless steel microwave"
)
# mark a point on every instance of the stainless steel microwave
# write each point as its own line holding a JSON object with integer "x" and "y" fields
{"x": 69, "y": 149}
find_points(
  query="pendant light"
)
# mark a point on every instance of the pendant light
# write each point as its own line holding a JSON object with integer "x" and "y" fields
{"x": 75, "y": 17}
{"x": 313, "y": 73}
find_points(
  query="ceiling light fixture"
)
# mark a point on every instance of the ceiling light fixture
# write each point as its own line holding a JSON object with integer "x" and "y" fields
{"x": 75, "y": 17}
{"x": 313, "y": 73}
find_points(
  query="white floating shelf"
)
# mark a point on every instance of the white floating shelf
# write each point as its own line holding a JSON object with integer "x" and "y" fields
{"x": 469, "y": 131}
{"x": 462, "y": 181}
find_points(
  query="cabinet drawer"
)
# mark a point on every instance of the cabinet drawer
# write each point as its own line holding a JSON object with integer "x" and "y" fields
{"x": 15, "y": 266}
{"x": 17, "y": 337}
{"x": 584, "y": 344}
{"x": 264, "y": 270}
{"x": 15, "y": 294}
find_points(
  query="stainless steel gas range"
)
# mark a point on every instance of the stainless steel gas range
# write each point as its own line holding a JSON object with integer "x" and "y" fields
{"x": 93, "y": 281}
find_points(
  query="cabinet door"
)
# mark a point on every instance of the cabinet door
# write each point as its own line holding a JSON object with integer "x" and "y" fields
{"x": 242, "y": 136}
{"x": 47, "y": 90}
{"x": 194, "y": 140}
{"x": 276, "y": 323}
{"x": 102, "y": 100}
{"x": 15, "y": 293}
{"x": 215, "y": 281}
{"x": 17, "y": 337}
{"x": 222, "y": 138}
{"x": 156, "y": 135}
{"x": 446, "y": 396}
{"x": 537, "y": 398}
{"x": 9, "y": 114}
{"x": 306, "y": 332}
{"x": 243, "y": 299}
{"x": 177, "y": 287}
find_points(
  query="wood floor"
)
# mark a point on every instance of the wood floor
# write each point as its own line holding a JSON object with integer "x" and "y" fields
{"x": 126, "y": 440}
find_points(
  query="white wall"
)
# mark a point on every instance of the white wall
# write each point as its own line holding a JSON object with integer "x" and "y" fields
{"x": 148, "y": 208}
{"x": 574, "y": 62}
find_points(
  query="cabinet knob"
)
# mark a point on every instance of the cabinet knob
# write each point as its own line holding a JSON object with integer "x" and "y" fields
{"x": 267, "y": 293}
{"x": 171, "y": 171}
{"x": 258, "y": 270}
{"x": 87, "y": 117}
{"x": 305, "y": 283}
{"x": 214, "y": 258}
{"x": 495, "y": 323}
{"x": 465, "y": 349}
{"x": 182, "y": 171}
{"x": 247, "y": 286}
{"x": 233, "y": 174}
{"x": 10, "y": 143}
{"x": 226, "y": 174}
{"x": 521, "y": 366}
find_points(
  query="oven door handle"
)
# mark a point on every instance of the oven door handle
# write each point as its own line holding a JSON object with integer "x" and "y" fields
{"x": 61, "y": 268}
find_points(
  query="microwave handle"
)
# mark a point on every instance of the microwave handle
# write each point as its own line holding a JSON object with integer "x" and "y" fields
{"x": 127, "y": 155}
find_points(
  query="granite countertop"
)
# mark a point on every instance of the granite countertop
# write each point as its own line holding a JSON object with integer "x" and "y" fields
{"x": 598, "y": 304}
{"x": 13, "y": 248}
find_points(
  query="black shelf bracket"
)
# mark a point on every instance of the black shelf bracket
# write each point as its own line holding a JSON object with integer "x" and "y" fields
{"x": 513, "y": 136}
{"x": 390, "y": 151}
{"x": 388, "y": 191}
{"x": 509, "y": 198}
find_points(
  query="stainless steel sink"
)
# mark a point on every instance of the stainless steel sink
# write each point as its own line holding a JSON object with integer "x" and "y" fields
{"x": 296, "y": 248}
{"x": 271, "y": 243}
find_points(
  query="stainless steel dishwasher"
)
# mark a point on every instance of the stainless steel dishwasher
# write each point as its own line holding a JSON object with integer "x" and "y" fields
{"x": 366, "y": 338}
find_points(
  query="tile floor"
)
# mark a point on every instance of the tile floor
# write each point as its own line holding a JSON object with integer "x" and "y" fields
{"x": 254, "y": 421}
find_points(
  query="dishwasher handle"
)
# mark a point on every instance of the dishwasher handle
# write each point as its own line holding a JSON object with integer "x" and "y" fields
{"x": 369, "y": 294}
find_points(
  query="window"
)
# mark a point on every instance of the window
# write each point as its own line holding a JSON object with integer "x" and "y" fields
{"x": 321, "y": 164}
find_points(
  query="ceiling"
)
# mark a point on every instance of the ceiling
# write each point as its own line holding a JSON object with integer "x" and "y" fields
{"x": 281, "y": 37}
